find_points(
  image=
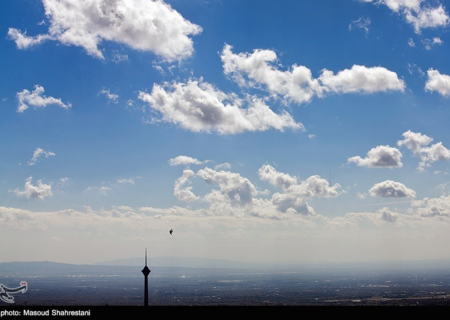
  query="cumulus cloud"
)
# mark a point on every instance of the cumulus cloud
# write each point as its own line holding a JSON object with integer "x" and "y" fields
{"x": 361, "y": 79}
{"x": 295, "y": 195}
{"x": 38, "y": 153}
{"x": 180, "y": 191}
{"x": 438, "y": 82}
{"x": 37, "y": 99}
{"x": 387, "y": 215}
{"x": 279, "y": 179}
{"x": 142, "y": 25}
{"x": 433, "y": 207}
{"x": 183, "y": 160}
{"x": 418, "y": 15}
{"x": 40, "y": 191}
{"x": 417, "y": 142}
{"x": 258, "y": 70}
{"x": 233, "y": 188}
{"x": 380, "y": 157}
{"x": 427, "y": 18}
{"x": 391, "y": 189}
{"x": 198, "y": 106}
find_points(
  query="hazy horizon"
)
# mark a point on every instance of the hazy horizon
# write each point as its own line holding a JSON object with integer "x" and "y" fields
{"x": 259, "y": 131}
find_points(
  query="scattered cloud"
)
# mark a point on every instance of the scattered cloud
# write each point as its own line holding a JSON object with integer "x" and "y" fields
{"x": 233, "y": 188}
{"x": 63, "y": 182}
{"x": 258, "y": 70}
{"x": 415, "y": 13}
{"x": 142, "y": 25}
{"x": 38, "y": 153}
{"x": 223, "y": 166}
{"x": 37, "y": 99}
{"x": 114, "y": 98}
{"x": 40, "y": 191}
{"x": 380, "y": 157}
{"x": 391, "y": 189}
{"x": 118, "y": 57}
{"x": 361, "y": 195}
{"x": 125, "y": 181}
{"x": 184, "y": 160}
{"x": 438, "y": 82}
{"x": 417, "y": 142}
{"x": 361, "y": 23}
{"x": 180, "y": 191}
{"x": 433, "y": 207}
{"x": 295, "y": 195}
{"x": 198, "y": 106}
{"x": 428, "y": 43}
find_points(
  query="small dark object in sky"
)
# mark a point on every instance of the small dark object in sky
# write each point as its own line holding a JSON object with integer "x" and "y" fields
{"x": 170, "y": 231}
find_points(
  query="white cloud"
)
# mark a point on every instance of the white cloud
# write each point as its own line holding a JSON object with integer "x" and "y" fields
{"x": 391, "y": 189}
{"x": 387, "y": 215}
{"x": 184, "y": 160}
{"x": 427, "y": 18}
{"x": 418, "y": 15}
{"x": 438, "y": 41}
{"x": 198, "y": 106}
{"x": 118, "y": 57}
{"x": 142, "y": 25}
{"x": 225, "y": 166}
{"x": 37, "y": 99}
{"x": 411, "y": 42}
{"x": 40, "y": 191}
{"x": 416, "y": 142}
{"x": 279, "y": 179}
{"x": 432, "y": 207}
{"x": 428, "y": 43}
{"x": 362, "y": 23}
{"x": 23, "y": 41}
{"x": 180, "y": 191}
{"x": 39, "y": 153}
{"x": 361, "y": 195}
{"x": 361, "y": 79}
{"x": 295, "y": 195}
{"x": 233, "y": 188}
{"x": 125, "y": 181}
{"x": 114, "y": 98}
{"x": 438, "y": 82}
{"x": 104, "y": 190}
{"x": 258, "y": 70}
{"x": 63, "y": 182}
{"x": 380, "y": 157}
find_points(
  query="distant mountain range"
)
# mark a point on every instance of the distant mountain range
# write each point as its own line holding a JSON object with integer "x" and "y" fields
{"x": 182, "y": 265}
{"x": 185, "y": 262}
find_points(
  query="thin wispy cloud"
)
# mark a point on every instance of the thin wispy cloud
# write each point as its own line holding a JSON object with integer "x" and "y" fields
{"x": 40, "y": 153}
{"x": 37, "y": 99}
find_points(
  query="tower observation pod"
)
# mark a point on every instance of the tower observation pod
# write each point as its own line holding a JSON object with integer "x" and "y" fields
{"x": 146, "y": 271}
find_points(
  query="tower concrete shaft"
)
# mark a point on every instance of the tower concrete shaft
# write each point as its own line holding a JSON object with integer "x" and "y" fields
{"x": 146, "y": 271}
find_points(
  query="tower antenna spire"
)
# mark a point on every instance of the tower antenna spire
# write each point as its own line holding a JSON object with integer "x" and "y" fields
{"x": 146, "y": 271}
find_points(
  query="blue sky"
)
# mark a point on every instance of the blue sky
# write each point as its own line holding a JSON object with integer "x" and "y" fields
{"x": 259, "y": 131}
